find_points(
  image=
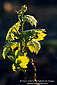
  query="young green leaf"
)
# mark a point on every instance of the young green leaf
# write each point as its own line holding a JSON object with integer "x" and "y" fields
{"x": 5, "y": 51}
{"x": 34, "y": 46}
{"x": 12, "y": 31}
{"x": 24, "y": 60}
{"x": 30, "y": 19}
{"x": 24, "y": 8}
{"x": 40, "y": 35}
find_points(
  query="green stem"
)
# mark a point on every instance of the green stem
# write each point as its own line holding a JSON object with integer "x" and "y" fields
{"x": 21, "y": 31}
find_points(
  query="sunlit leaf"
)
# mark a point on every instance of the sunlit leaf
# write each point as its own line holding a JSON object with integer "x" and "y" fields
{"x": 30, "y": 19}
{"x": 5, "y": 51}
{"x": 34, "y": 46}
{"x": 13, "y": 67}
{"x": 17, "y": 25}
{"x": 23, "y": 61}
{"x": 16, "y": 52}
{"x": 40, "y": 35}
{"x": 11, "y": 33}
{"x": 15, "y": 44}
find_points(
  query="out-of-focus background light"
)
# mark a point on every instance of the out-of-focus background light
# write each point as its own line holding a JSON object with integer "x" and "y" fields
{"x": 7, "y": 6}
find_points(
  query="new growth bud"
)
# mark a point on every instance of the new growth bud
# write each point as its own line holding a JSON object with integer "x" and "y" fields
{"x": 24, "y": 8}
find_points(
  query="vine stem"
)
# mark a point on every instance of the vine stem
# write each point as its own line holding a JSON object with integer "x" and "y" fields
{"x": 31, "y": 72}
{"x": 21, "y": 31}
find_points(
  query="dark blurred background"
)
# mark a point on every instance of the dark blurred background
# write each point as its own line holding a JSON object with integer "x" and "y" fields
{"x": 45, "y": 11}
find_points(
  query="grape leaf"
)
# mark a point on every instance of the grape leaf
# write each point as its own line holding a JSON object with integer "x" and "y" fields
{"x": 30, "y": 19}
{"x": 5, "y": 51}
{"x": 34, "y": 46}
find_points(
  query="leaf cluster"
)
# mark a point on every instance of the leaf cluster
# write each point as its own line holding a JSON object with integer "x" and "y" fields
{"x": 29, "y": 39}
